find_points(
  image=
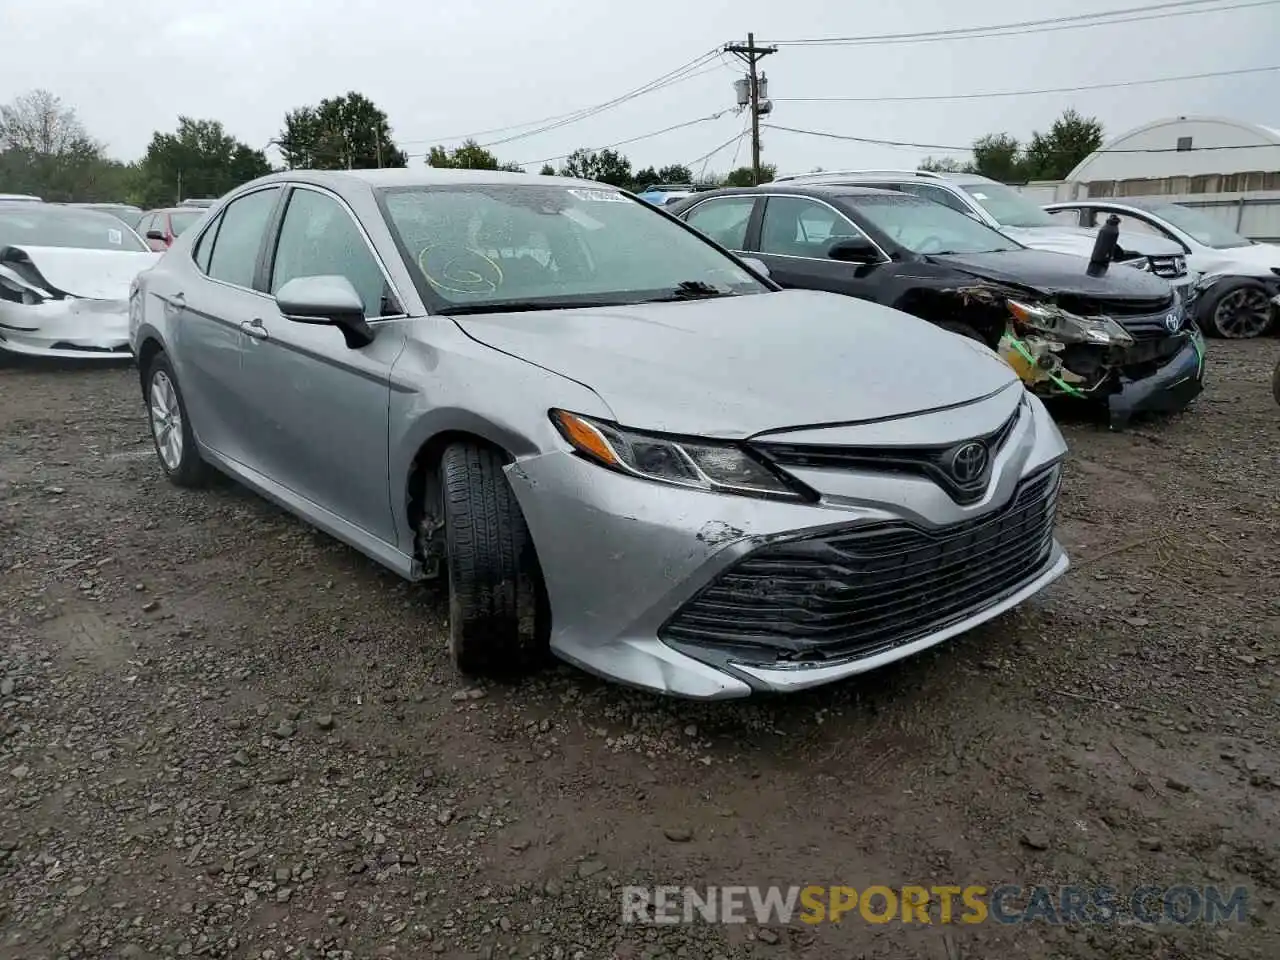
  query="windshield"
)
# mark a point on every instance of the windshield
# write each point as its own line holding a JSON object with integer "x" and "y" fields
{"x": 48, "y": 226}
{"x": 1202, "y": 227}
{"x": 926, "y": 227}
{"x": 559, "y": 245}
{"x": 1008, "y": 207}
{"x": 182, "y": 219}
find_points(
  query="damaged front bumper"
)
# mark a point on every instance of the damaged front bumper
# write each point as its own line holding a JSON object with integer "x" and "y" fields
{"x": 69, "y": 328}
{"x": 1158, "y": 375}
{"x": 698, "y": 595}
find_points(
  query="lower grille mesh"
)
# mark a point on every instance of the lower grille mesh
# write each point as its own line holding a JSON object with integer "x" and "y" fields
{"x": 866, "y": 589}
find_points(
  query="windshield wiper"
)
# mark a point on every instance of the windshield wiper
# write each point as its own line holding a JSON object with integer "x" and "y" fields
{"x": 692, "y": 290}
{"x": 523, "y": 306}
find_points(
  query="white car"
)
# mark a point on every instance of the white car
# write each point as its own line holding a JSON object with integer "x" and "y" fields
{"x": 65, "y": 276}
{"x": 1242, "y": 276}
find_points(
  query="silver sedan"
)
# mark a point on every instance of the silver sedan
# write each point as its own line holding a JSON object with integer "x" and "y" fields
{"x": 619, "y": 443}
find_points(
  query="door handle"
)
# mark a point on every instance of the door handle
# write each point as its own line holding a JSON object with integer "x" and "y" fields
{"x": 255, "y": 329}
{"x": 176, "y": 302}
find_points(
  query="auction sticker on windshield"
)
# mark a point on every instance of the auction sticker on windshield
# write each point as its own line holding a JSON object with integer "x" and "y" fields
{"x": 115, "y": 236}
{"x": 598, "y": 196}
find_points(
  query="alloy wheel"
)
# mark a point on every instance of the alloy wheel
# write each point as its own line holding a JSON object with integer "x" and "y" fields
{"x": 1242, "y": 313}
{"x": 166, "y": 420}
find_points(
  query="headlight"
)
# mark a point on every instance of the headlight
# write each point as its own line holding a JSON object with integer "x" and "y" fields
{"x": 1067, "y": 327}
{"x": 701, "y": 464}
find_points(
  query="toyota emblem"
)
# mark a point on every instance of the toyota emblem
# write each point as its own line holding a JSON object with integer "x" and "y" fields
{"x": 969, "y": 462}
{"x": 1172, "y": 322}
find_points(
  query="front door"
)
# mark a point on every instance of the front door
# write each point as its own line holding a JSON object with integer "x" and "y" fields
{"x": 319, "y": 424}
{"x": 795, "y": 234}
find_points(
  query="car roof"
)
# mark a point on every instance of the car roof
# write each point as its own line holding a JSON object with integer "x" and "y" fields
{"x": 926, "y": 176}
{"x": 421, "y": 177}
{"x": 810, "y": 190}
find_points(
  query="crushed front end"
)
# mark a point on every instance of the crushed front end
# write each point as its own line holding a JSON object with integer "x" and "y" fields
{"x": 39, "y": 319}
{"x": 1134, "y": 356}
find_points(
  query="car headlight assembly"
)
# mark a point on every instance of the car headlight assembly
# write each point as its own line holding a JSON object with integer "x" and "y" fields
{"x": 1067, "y": 327}
{"x": 711, "y": 465}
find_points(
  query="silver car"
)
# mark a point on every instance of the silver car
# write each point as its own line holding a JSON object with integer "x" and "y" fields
{"x": 619, "y": 442}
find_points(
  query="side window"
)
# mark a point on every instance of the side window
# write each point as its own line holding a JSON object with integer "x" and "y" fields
{"x": 235, "y": 249}
{"x": 724, "y": 220}
{"x": 800, "y": 227}
{"x": 1130, "y": 224}
{"x": 204, "y": 246}
{"x": 1070, "y": 218}
{"x": 936, "y": 194}
{"x": 147, "y": 223}
{"x": 319, "y": 238}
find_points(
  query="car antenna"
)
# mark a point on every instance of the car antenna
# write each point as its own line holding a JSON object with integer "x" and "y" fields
{"x": 1104, "y": 247}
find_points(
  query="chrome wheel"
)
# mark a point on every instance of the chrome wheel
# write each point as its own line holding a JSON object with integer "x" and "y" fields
{"x": 166, "y": 421}
{"x": 1242, "y": 313}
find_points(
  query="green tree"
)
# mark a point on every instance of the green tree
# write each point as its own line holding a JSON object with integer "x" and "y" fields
{"x": 945, "y": 165}
{"x": 339, "y": 133}
{"x": 1052, "y": 155}
{"x": 199, "y": 159}
{"x": 998, "y": 156}
{"x": 675, "y": 173}
{"x": 547, "y": 170}
{"x": 45, "y": 150}
{"x": 606, "y": 166}
{"x": 645, "y": 178}
{"x": 742, "y": 176}
{"x": 469, "y": 156}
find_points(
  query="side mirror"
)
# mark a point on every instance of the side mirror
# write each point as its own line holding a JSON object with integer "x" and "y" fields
{"x": 155, "y": 235}
{"x": 758, "y": 266}
{"x": 326, "y": 301}
{"x": 854, "y": 250}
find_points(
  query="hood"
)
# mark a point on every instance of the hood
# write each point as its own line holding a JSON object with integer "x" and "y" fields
{"x": 1080, "y": 240}
{"x": 76, "y": 272}
{"x": 1057, "y": 273}
{"x": 1255, "y": 260}
{"x": 735, "y": 366}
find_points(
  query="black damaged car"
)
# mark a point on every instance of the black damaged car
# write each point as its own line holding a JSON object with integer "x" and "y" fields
{"x": 1071, "y": 327}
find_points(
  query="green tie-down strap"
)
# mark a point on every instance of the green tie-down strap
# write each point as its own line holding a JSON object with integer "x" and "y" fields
{"x": 1026, "y": 355}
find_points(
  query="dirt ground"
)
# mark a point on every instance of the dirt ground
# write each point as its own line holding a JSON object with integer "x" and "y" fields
{"x": 223, "y": 734}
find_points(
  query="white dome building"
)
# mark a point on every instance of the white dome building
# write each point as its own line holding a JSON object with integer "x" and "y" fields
{"x": 1183, "y": 155}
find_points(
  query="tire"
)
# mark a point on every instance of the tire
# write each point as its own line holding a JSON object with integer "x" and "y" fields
{"x": 1237, "y": 309}
{"x": 497, "y": 602}
{"x": 181, "y": 462}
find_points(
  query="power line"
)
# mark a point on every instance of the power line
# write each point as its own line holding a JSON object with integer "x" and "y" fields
{"x": 1027, "y": 93}
{"x": 969, "y": 149}
{"x": 643, "y": 136}
{"x": 1159, "y": 11}
{"x": 736, "y": 138}
{"x": 684, "y": 72}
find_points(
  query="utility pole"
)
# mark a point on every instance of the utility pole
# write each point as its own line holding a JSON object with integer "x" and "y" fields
{"x": 751, "y": 55}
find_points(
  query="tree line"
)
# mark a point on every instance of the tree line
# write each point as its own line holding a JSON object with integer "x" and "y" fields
{"x": 1046, "y": 156}
{"x": 46, "y": 150}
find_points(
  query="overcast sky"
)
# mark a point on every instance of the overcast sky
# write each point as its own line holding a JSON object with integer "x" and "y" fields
{"x": 130, "y": 67}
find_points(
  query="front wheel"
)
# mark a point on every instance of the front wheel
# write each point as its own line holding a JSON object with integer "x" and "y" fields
{"x": 1237, "y": 309}
{"x": 496, "y": 598}
{"x": 171, "y": 428}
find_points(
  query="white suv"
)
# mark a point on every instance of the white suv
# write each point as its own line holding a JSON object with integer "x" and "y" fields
{"x": 1014, "y": 215}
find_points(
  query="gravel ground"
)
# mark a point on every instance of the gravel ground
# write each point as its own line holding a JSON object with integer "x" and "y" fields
{"x": 223, "y": 734}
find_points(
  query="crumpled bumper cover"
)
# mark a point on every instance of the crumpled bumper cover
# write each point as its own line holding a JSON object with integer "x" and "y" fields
{"x": 621, "y": 556}
{"x": 70, "y": 328}
{"x": 1168, "y": 390}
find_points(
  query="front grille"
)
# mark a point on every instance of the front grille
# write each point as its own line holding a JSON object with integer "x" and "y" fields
{"x": 1170, "y": 267}
{"x": 933, "y": 462}
{"x": 868, "y": 588}
{"x": 1151, "y": 327}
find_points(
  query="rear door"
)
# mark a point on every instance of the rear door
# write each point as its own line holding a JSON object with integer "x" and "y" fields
{"x": 320, "y": 408}
{"x": 213, "y": 306}
{"x": 794, "y": 236}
